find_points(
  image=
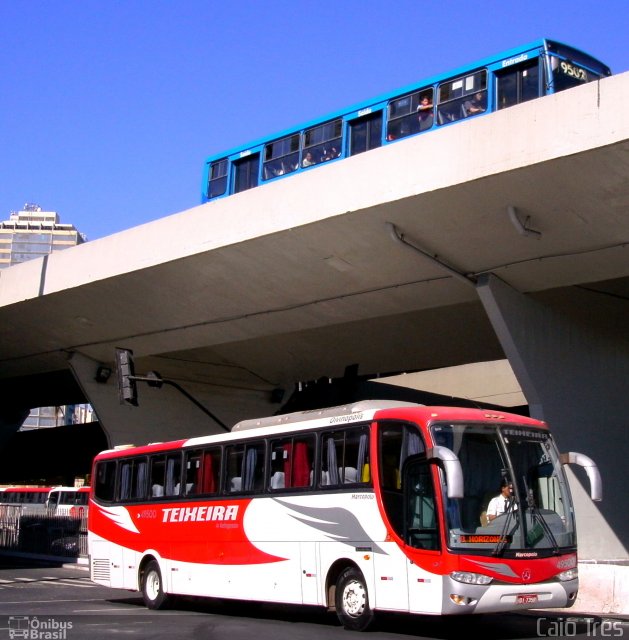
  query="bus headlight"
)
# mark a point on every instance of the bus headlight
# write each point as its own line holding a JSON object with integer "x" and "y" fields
{"x": 570, "y": 574}
{"x": 467, "y": 577}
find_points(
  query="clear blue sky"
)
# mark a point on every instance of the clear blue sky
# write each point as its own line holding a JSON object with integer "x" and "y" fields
{"x": 108, "y": 108}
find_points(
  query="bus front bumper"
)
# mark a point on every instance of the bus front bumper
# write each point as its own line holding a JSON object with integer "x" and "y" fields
{"x": 460, "y": 598}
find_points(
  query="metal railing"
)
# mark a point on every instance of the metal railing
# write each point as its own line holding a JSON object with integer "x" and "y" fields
{"x": 40, "y": 533}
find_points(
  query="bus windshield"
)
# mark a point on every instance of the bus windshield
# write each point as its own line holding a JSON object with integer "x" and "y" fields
{"x": 515, "y": 492}
{"x": 567, "y": 74}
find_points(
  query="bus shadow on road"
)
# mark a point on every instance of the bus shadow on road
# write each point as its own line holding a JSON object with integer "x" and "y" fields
{"x": 496, "y": 626}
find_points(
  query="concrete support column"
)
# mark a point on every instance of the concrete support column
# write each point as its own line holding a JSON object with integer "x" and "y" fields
{"x": 572, "y": 362}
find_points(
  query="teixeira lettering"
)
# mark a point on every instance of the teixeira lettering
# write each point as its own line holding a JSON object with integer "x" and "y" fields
{"x": 200, "y": 514}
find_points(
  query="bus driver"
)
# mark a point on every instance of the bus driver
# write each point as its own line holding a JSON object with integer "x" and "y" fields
{"x": 500, "y": 504}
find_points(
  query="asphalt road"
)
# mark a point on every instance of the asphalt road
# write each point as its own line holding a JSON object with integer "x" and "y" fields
{"x": 61, "y": 603}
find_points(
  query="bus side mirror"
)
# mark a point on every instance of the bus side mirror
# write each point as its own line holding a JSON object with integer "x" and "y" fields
{"x": 127, "y": 388}
{"x": 596, "y": 484}
{"x": 452, "y": 467}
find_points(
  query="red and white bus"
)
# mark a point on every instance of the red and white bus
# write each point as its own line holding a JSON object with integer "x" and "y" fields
{"x": 377, "y": 505}
{"x": 68, "y": 501}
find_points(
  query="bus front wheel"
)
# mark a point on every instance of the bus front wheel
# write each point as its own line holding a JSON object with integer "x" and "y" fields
{"x": 352, "y": 600}
{"x": 153, "y": 587}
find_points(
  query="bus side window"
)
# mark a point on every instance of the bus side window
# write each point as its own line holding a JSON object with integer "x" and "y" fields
{"x": 172, "y": 482}
{"x": 397, "y": 442}
{"x": 345, "y": 457}
{"x": 105, "y": 483}
{"x": 410, "y": 114}
{"x": 202, "y": 469}
{"x": 192, "y": 472}
{"x": 133, "y": 480}
{"x": 291, "y": 462}
{"x": 156, "y": 482}
{"x": 233, "y": 468}
{"x": 354, "y": 467}
{"x": 322, "y": 143}
{"x": 281, "y": 157}
{"x": 245, "y": 467}
{"x": 217, "y": 183}
{"x": 462, "y": 97}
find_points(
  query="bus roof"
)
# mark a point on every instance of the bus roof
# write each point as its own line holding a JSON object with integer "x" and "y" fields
{"x": 317, "y": 414}
{"x": 362, "y": 411}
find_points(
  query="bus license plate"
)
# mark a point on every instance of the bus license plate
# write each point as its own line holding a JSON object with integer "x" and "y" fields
{"x": 526, "y": 598}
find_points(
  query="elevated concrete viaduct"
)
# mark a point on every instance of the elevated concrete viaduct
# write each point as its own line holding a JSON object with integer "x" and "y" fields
{"x": 502, "y": 237}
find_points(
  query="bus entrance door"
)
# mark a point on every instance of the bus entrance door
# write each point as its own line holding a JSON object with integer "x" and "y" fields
{"x": 246, "y": 172}
{"x": 365, "y": 133}
{"x": 421, "y": 533}
{"x": 518, "y": 84}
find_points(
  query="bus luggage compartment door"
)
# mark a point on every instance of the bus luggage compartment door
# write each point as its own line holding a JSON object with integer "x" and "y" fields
{"x": 310, "y": 572}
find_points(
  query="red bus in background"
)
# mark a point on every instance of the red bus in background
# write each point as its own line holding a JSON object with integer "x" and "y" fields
{"x": 31, "y": 499}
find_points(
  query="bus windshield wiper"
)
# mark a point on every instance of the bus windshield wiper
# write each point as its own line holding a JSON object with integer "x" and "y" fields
{"x": 502, "y": 542}
{"x": 537, "y": 519}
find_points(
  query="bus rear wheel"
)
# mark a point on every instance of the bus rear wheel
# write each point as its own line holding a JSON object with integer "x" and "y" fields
{"x": 153, "y": 587}
{"x": 352, "y": 601}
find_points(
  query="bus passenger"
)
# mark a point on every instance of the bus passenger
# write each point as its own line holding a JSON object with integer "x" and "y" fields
{"x": 425, "y": 113}
{"x": 308, "y": 160}
{"x": 474, "y": 105}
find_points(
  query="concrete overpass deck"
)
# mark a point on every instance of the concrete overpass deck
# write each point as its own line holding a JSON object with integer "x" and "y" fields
{"x": 404, "y": 258}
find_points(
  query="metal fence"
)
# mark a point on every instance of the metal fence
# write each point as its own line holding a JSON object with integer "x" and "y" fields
{"x": 42, "y": 533}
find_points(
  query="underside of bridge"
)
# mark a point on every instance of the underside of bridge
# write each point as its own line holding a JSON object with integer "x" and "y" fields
{"x": 509, "y": 243}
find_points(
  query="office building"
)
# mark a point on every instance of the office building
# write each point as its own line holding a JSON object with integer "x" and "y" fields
{"x": 28, "y": 234}
{"x": 33, "y": 233}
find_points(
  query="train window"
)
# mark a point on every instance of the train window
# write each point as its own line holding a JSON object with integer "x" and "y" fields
{"x": 462, "y": 97}
{"x": 410, "y": 114}
{"x": 217, "y": 184}
{"x": 281, "y": 157}
{"x": 322, "y": 143}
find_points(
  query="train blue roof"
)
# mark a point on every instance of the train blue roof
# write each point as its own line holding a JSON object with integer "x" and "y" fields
{"x": 384, "y": 97}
